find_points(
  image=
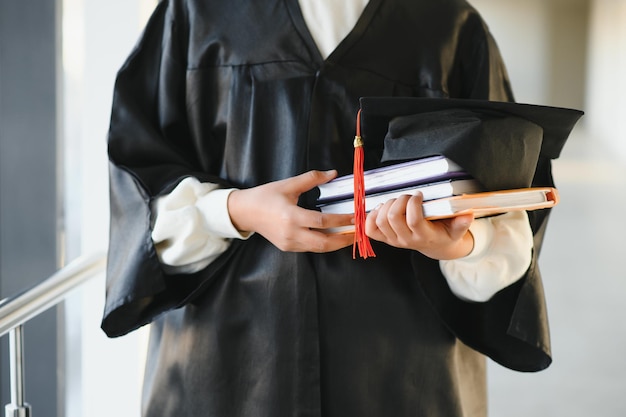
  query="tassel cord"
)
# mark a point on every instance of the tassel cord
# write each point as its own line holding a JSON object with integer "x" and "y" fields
{"x": 361, "y": 240}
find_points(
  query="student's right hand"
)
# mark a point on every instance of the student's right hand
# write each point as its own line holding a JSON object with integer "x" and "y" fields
{"x": 271, "y": 210}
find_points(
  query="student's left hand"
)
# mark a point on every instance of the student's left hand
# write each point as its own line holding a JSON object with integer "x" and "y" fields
{"x": 400, "y": 222}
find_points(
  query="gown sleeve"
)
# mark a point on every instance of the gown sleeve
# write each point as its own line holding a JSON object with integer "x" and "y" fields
{"x": 511, "y": 327}
{"x": 150, "y": 152}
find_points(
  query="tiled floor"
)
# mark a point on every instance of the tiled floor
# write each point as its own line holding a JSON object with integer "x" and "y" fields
{"x": 584, "y": 270}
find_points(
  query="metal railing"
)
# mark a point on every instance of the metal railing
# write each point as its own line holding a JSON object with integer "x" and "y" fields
{"x": 15, "y": 311}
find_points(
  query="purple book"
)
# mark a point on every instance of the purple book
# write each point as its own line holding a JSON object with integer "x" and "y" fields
{"x": 402, "y": 175}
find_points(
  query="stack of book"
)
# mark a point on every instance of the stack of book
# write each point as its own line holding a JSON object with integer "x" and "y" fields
{"x": 446, "y": 188}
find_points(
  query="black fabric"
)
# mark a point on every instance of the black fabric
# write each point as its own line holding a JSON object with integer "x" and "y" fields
{"x": 236, "y": 92}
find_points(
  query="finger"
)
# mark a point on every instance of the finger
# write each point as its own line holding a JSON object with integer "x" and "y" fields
{"x": 382, "y": 221}
{"x": 316, "y": 220}
{"x": 415, "y": 214}
{"x": 371, "y": 229}
{"x": 397, "y": 217}
{"x": 306, "y": 181}
{"x": 320, "y": 242}
{"x": 333, "y": 242}
{"x": 309, "y": 240}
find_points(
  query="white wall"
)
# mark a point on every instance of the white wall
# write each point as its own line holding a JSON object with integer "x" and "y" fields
{"x": 520, "y": 29}
{"x": 544, "y": 45}
{"x": 606, "y": 89}
{"x": 103, "y": 375}
{"x": 569, "y": 53}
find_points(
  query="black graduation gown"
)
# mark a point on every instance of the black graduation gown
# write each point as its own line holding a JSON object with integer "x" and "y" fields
{"x": 236, "y": 92}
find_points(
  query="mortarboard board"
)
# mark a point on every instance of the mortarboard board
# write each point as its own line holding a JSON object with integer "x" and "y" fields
{"x": 498, "y": 143}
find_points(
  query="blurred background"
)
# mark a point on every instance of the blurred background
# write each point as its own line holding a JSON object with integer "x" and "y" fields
{"x": 58, "y": 60}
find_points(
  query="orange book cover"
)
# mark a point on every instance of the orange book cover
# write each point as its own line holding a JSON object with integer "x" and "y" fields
{"x": 492, "y": 202}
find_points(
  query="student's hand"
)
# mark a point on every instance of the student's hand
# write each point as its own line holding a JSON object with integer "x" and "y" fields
{"x": 271, "y": 210}
{"x": 400, "y": 222}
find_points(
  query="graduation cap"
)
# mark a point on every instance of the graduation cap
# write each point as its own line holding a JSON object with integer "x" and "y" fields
{"x": 498, "y": 143}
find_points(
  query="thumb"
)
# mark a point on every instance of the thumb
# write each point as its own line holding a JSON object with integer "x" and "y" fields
{"x": 459, "y": 225}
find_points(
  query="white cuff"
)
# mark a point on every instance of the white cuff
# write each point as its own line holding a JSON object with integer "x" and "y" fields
{"x": 214, "y": 207}
{"x": 192, "y": 226}
{"x": 502, "y": 254}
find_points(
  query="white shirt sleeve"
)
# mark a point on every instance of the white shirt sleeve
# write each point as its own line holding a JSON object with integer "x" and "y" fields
{"x": 192, "y": 226}
{"x": 501, "y": 256}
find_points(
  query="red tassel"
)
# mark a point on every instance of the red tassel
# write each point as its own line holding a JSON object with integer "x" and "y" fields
{"x": 361, "y": 240}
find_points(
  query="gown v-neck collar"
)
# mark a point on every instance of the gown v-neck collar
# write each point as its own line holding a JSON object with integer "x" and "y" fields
{"x": 293, "y": 6}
